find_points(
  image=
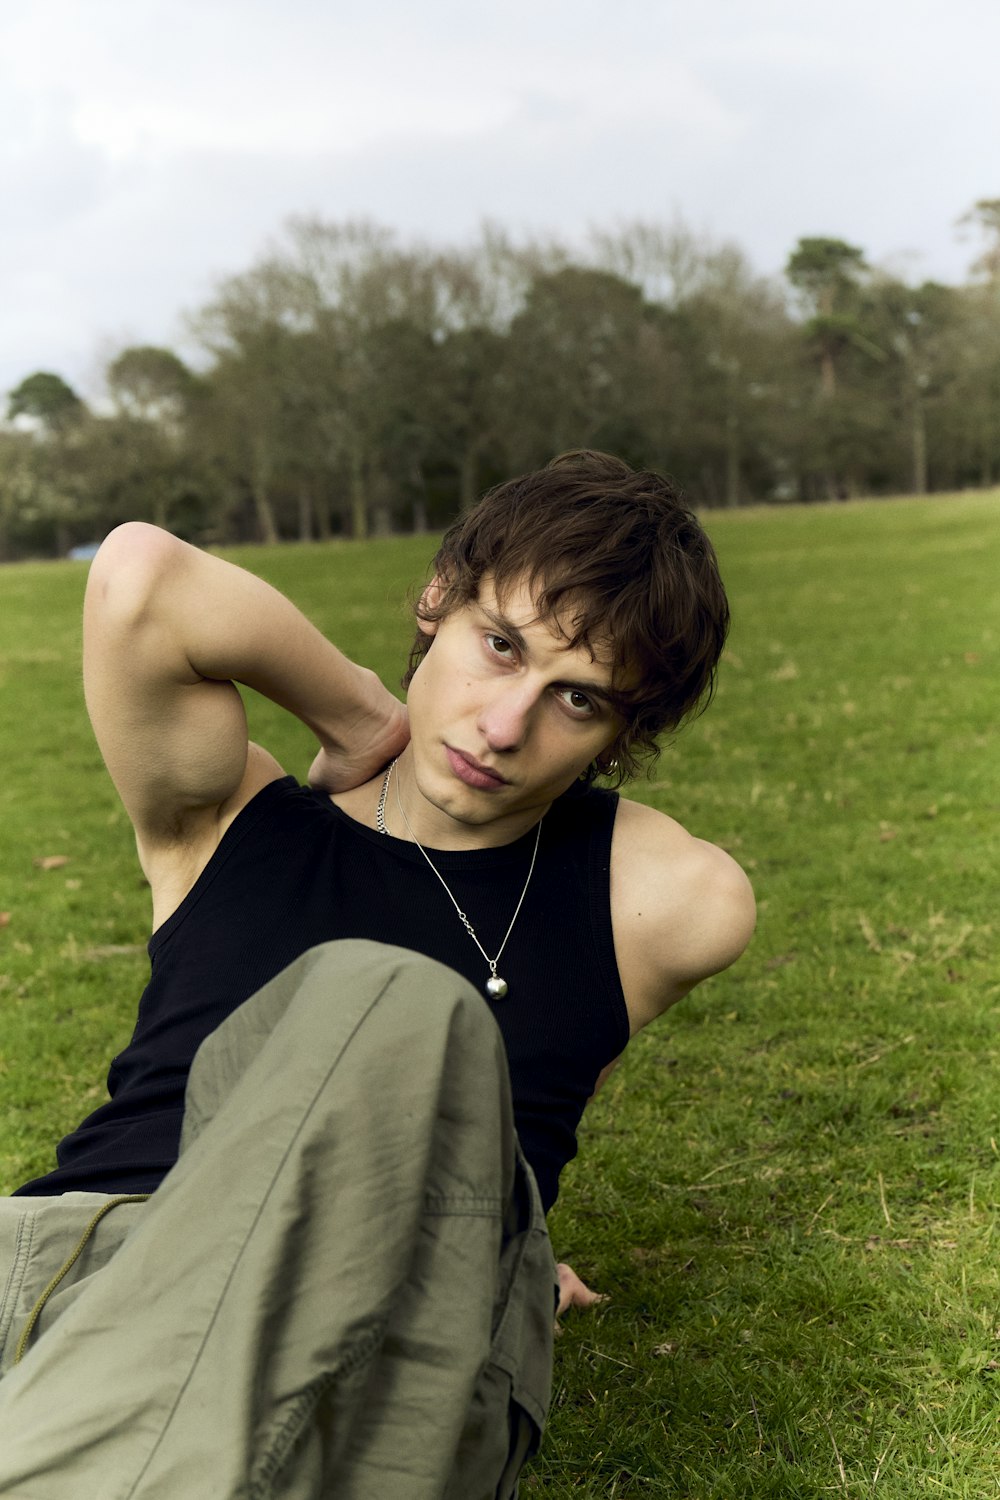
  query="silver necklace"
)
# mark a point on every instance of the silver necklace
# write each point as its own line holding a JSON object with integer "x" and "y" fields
{"x": 496, "y": 988}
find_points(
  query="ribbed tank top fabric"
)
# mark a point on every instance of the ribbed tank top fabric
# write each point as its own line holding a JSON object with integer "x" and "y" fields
{"x": 293, "y": 871}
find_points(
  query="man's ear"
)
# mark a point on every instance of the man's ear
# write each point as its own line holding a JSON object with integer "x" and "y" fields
{"x": 607, "y": 761}
{"x": 430, "y": 599}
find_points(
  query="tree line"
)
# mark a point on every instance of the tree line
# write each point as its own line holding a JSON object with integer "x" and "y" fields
{"x": 350, "y": 384}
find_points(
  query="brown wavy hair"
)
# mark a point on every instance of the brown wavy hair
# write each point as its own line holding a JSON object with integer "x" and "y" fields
{"x": 615, "y": 556}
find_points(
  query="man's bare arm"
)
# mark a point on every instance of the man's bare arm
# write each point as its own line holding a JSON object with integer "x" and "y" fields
{"x": 682, "y": 910}
{"x": 168, "y": 629}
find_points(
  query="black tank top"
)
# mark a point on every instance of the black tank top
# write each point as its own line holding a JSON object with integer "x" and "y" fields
{"x": 292, "y": 871}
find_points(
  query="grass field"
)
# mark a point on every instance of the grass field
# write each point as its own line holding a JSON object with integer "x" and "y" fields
{"x": 789, "y": 1190}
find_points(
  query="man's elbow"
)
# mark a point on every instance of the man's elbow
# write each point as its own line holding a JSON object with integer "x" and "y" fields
{"x": 739, "y": 905}
{"x": 728, "y": 914}
{"x": 129, "y": 571}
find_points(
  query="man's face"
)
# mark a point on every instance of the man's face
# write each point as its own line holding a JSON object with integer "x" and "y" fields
{"x": 503, "y": 718}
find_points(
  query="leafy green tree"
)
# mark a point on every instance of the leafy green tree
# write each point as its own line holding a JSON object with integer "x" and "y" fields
{"x": 52, "y": 485}
{"x": 313, "y": 348}
{"x": 48, "y": 399}
{"x": 19, "y": 482}
{"x": 973, "y": 415}
{"x": 152, "y": 384}
{"x": 248, "y": 412}
{"x": 836, "y": 429}
{"x": 470, "y": 374}
{"x": 909, "y": 334}
{"x": 374, "y": 311}
{"x": 480, "y": 291}
{"x": 145, "y": 455}
{"x": 735, "y": 346}
{"x": 827, "y": 272}
{"x": 248, "y": 424}
{"x": 573, "y": 364}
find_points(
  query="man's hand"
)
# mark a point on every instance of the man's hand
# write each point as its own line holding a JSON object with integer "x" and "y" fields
{"x": 573, "y": 1292}
{"x": 364, "y": 747}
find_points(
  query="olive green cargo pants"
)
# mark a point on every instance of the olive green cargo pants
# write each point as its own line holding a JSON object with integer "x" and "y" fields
{"x": 344, "y": 1288}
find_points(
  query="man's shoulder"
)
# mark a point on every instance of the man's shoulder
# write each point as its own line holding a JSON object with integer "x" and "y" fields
{"x": 683, "y": 908}
{"x": 652, "y": 835}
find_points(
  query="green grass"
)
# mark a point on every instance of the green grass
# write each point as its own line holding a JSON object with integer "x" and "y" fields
{"x": 790, "y": 1188}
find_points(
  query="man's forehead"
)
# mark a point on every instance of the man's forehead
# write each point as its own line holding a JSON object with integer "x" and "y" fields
{"x": 520, "y": 604}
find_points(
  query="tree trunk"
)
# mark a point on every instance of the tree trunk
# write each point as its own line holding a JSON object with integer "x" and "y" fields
{"x": 381, "y": 505}
{"x": 359, "y": 500}
{"x": 264, "y": 512}
{"x": 323, "y": 528}
{"x": 305, "y": 514}
{"x": 827, "y": 374}
{"x": 419, "y": 499}
{"x": 732, "y": 460}
{"x": 468, "y": 476}
{"x": 710, "y": 490}
{"x": 985, "y": 460}
{"x": 919, "y": 448}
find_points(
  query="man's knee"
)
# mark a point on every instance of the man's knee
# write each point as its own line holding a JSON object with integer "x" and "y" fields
{"x": 339, "y": 985}
{"x": 398, "y": 1013}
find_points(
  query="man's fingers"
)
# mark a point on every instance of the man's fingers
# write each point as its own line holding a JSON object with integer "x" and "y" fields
{"x": 573, "y": 1292}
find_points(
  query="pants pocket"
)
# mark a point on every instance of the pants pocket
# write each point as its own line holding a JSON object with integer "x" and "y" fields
{"x": 511, "y": 1400}
{"x": 504, "y": 1433}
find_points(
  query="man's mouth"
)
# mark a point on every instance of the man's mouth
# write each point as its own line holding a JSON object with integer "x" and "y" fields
{"x": 472, "y": 771}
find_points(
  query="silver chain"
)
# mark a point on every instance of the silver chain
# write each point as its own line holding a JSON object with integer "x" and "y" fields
{"x": 494, "y": 980}
{"x": 380, "y": 810}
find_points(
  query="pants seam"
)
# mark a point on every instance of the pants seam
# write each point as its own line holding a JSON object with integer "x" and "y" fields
{"x": 290, "y": 1430}
{"x": 15, "y": 1276}
{"x": 460, "y": 1206}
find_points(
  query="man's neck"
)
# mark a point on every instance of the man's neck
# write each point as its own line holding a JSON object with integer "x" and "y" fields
{"x": 414, "y": 818}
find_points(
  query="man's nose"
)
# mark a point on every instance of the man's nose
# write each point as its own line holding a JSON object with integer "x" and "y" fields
{"x": 505, "y": 721}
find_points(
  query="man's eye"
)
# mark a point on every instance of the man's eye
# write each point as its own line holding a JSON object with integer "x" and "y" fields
{"x": 499, "y": 644}
{"x": 577, "y": 701}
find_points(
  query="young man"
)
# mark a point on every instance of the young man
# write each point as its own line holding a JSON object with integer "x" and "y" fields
{"x": 572, "y": 617}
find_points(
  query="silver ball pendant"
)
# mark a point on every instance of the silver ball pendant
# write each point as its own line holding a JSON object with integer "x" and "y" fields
{"x": 496, "y": 987}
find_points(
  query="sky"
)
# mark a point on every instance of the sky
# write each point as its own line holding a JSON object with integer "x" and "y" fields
{"x": 148, "y": 149}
